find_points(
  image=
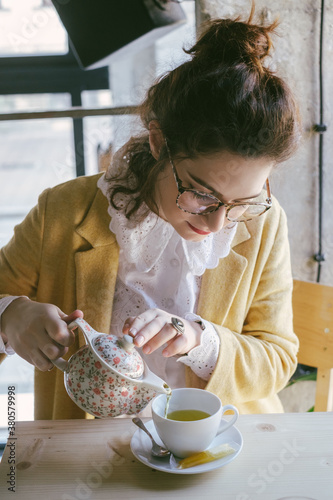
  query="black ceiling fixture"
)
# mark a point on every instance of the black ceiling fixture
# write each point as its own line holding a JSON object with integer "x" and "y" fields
{"x": 101, "y": 30}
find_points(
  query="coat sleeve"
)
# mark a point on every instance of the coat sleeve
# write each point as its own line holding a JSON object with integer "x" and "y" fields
{"x": 258, "y": 361}
{"x": 20, "y": 258}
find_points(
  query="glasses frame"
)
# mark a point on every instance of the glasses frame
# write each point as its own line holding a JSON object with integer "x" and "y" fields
{"x": 220, "y": 203}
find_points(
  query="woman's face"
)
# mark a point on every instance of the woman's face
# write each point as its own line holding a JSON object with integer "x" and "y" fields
{"x": 226, "y": 175}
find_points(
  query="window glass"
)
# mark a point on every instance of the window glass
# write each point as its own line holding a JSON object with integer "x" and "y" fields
{"x": 31, "y": 27}
{"x": 97, "y": 131}
{"x": 34, "y": 155}
{"x": 15, "y": 371}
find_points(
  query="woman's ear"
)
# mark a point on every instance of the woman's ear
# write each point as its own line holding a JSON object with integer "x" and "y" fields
{"x": 156, "y": 138}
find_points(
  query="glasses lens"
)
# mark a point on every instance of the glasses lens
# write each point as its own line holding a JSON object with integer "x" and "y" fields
{"x": 196, "y": 203}
{"x": 245, "y": 212}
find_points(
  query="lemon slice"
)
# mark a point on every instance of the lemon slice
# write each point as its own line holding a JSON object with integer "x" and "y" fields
{"x": 206, "y": 456}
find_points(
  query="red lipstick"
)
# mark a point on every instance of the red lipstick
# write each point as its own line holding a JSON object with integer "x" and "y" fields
{"x": 198, "y": 231}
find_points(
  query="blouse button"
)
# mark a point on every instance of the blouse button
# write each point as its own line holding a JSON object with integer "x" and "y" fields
{"x": 170, "y": 302}
{"x": 174, "y": 262}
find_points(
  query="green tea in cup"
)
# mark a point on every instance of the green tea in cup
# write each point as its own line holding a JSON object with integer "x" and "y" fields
{"x": 187, "y": 415}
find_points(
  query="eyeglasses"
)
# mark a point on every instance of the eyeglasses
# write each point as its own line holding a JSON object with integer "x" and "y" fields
{"x": 200, "y": 203}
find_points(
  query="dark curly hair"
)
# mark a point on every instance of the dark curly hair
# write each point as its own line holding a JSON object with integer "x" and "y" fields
{"x": 224, "y": 98}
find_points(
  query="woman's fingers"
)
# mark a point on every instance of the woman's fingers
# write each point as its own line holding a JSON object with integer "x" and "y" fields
{"x": 177, "y": 345}
{"x": 139, "y": 322}
{"x": 40, "y": 360}
{"x": 53, "y": 351}
{"x": 58, "y": 337}
{"x": 153, "y": 342}
{"x": 56, "y": 327}
{"x": 68, "y": 318}
{"x": 151, "y": 329}
{"x": 127, "y": 325}
{"x": 38, "y": 332}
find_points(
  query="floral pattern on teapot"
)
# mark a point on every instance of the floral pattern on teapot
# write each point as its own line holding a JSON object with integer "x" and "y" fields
{"x": 128, "y": 363}
{"x": 100, "y": 392}
{"x": 107, "y": 377}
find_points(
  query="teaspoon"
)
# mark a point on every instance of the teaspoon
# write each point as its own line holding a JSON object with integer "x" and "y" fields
{"x": 157, "y": 450}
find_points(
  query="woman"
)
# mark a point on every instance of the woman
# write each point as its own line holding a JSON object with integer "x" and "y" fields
{"x": 178, "y": 245}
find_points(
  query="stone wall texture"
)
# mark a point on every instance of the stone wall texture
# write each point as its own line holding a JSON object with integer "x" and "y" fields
{"x": 295, "y": 182}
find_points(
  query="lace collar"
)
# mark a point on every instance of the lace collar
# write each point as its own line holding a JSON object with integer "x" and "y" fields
{"x": 143, "y": 244}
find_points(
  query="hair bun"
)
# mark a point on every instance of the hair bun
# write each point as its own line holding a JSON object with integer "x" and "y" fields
{"x": 227, "y": 41}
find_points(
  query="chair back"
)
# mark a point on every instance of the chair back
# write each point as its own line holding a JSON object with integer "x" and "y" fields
{"x": 313, "y": 324}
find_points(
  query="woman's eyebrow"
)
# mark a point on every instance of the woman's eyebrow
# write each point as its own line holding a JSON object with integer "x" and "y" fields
{"x": 215, "y": 193}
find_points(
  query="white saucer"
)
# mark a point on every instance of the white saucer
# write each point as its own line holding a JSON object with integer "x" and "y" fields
{"x": 141, "y": 449}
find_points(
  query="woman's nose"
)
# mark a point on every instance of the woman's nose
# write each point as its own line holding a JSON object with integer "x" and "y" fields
{"x": 216, "y": 220}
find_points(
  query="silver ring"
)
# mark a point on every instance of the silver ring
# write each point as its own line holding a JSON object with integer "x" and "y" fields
{"x": 178, "y": 325}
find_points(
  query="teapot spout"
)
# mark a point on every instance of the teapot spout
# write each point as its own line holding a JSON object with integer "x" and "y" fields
{"x": 155, "y": 383}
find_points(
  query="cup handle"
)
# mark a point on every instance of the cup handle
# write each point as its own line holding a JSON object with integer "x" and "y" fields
{"x": 223, "y": 426}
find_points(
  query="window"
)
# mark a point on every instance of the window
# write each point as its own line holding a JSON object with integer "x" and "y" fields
{"x": 30, "y": 27}
{"x": 35, "y": 154}
{"x": 98, "y": 131}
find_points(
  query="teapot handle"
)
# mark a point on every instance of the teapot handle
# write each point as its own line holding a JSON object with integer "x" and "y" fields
{"x": 89, "y": 334}
{"x": 61, "y": 363}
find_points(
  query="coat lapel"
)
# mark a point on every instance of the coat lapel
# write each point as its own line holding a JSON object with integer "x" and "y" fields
{"x": 229, "y": 271}
{"x": 97, "y": 266}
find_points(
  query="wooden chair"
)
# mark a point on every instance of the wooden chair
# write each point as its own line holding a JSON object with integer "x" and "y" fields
{"x": 313, "y": 324}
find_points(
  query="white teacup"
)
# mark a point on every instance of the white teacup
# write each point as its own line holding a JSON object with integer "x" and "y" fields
{"x": 186, "y": 438}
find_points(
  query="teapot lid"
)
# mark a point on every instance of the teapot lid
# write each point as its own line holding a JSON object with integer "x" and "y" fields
{"x": 120, "y": 354}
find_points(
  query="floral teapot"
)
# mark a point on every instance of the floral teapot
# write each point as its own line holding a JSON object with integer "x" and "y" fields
{"x": 107, "y": 377}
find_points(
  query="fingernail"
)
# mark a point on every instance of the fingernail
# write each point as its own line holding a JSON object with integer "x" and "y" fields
{"x": 133, "y": 331}
{"x": 165, "y": 353}
{"x": 139, "y": 340}
{"x": 146, "y": 349}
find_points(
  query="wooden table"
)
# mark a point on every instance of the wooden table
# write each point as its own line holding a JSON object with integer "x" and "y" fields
{"x": 285, "y": 456}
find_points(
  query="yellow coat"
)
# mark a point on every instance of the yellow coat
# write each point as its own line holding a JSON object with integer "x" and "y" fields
{"x": 64, "y": 254}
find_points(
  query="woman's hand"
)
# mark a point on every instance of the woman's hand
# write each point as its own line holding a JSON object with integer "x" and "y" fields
{"x": 153, "y": 328}
{"x": 37, "y": 332}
